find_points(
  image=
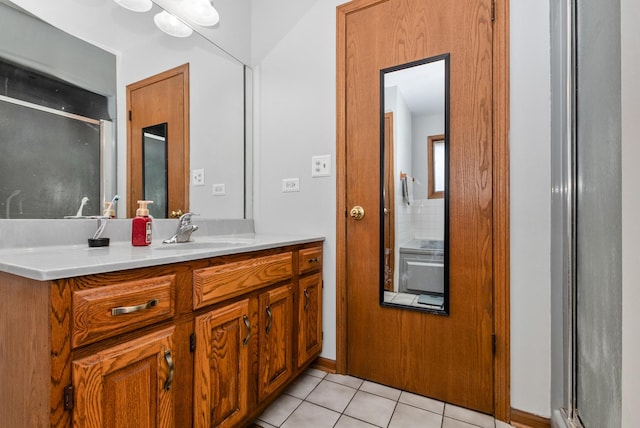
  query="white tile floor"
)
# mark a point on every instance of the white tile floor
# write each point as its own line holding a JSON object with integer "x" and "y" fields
{"x": 318, "y": 400}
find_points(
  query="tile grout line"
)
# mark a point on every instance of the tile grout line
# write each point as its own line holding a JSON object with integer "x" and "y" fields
{"x": 358, "y": 389}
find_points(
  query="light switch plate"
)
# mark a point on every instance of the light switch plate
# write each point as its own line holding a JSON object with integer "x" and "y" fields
{"x": 321, "y": 166}
{"x": 290, "y": 185}
{"x": 197, "y": 177}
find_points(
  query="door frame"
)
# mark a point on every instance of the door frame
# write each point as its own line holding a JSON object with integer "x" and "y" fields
{"x": 500, "y": 188}
{"x": 134, "y": 180}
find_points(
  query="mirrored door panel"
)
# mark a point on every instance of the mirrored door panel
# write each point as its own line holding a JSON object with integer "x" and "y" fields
{"x": 414, "y": 178}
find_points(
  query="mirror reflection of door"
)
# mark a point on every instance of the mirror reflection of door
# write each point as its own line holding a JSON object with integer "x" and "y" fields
{"x": 414, "y": 138}
{"x": 154, "y": 176}
{"x": 159, "y": 100}
{"x": 389, "y": 208}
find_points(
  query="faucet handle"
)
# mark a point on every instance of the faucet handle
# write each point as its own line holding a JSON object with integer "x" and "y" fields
{"x": 185, "y": 218}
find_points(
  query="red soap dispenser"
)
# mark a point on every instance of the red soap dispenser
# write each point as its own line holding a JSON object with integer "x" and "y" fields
{"x": 141, "y": 226}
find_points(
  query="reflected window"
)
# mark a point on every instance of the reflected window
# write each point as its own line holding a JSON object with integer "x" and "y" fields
{"x": 435, "y": 166}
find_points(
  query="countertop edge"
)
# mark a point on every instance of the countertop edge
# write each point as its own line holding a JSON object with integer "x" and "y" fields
{"x": 52, "y": 263}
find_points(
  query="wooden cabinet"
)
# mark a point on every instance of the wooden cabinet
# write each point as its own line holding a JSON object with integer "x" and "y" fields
{"x": 128, "y": 385}
{"x": 106, "y": 311}
{"x": 202, "y": 343}
{"x": 222, "y": 366}
{"x": 275, "y": 358}
{"x": 309, "y": 318}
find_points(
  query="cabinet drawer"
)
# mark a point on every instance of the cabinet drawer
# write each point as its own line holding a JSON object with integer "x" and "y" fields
{"x": 310, "y": 259}
{"x": 217, "y": 283}
{"x": 102, "y": 312}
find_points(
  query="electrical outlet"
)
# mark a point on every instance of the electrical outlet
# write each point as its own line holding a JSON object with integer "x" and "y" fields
{"x": 219, "y": 190}
{"x": 290, "y": 184}
{"x": 321, "y": 166}
{"x": 197, "y": 177}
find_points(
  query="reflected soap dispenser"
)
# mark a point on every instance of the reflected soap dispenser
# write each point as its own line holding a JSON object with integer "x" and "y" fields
{"x": 141, "y": 226}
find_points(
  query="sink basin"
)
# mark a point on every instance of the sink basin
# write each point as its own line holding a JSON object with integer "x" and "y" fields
{"x": 206, "y": 245}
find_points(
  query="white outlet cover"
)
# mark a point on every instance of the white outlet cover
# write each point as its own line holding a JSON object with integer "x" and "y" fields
{"x": 290, "y": 185}
{"x": 321, "y": 166}
{"x": 197, "y": 177}
{"x": 219, "y": 190}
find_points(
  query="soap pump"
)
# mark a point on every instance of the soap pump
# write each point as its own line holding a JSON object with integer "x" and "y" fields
{"x": 141, "y": 226}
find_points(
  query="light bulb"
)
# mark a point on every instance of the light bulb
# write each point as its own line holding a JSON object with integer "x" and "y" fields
{"x": 200, "y": 12}
{"x": 171, "y": 25}
{"x": 136, "y": 5}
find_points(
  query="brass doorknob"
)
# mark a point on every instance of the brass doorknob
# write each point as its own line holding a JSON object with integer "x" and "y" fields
{"x": 357, "y": 212}
{"x": 176, "y": 214}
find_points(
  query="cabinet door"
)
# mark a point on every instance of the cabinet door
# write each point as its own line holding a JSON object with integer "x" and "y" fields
{"x": 221, "y": 366}
{"x": 126, "y": 386}
{"x": 275, "y": 339}
{"x": 309, "y": 317}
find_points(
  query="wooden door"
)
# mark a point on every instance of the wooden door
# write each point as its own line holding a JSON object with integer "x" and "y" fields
{"x": 275, "y": 358}
{"x": 450, "y": 357}
{"x": 309, "y": 317}
{"x": 156, "y": 100}
{"x": 221, "y": 366}
{"x": 126, "y": 386}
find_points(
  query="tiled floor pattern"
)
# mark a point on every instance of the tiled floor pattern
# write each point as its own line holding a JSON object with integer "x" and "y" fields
{"x": 318, "y": 400}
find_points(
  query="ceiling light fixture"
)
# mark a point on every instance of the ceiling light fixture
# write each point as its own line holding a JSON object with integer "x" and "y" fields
{"x": 201, "y": 12}
{"x": 171, "y": 25}
{"x": 135, "y": 5}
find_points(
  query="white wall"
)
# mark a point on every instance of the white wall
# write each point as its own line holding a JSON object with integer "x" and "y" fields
{"x": 295, "y": 119}
{"x": 630, "y": 209}
{"x": 296, "y": 102}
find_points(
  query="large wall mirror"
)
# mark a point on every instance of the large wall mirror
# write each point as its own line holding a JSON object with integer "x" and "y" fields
{"x": 414, "y": 185}
{"x": 53, "y": 38}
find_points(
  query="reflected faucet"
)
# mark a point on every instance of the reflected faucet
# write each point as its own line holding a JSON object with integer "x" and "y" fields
{"x": 185, "y": 229}
{"x": 13, "y": 195}
{"x": 82, "y": 204}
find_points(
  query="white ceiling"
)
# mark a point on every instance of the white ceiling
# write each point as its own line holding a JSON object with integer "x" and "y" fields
{"x": 422, "y": 87}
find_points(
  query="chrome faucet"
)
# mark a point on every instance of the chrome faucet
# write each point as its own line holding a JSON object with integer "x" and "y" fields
{"x": 185, "y": 229}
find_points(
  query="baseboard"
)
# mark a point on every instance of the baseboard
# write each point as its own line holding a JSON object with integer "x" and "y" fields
{"x": 324, "y": 364}
{"x": 521, "y": 419}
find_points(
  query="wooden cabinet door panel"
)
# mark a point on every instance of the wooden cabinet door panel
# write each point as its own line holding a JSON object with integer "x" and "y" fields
{"x": 126, "y": 386}
{"x": 276, "y": 310}
{"x": 309, "y": 317}
{"x": 221, "y": 366}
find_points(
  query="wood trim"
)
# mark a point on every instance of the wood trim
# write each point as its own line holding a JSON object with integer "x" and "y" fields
{"x": 389, "y": 201}
{"x": 324, "y": 364}
{"x": 502, "y": 391}
{"x": 341, "y": 203}
{"x": 501, "y": 262}
{"x": 522, "y": 419}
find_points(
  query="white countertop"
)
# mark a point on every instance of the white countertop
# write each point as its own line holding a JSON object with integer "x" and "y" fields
{"x": 57, "y": 262}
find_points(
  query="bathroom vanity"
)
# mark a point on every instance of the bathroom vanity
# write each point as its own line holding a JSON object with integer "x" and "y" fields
{"x": 202, "y": 334}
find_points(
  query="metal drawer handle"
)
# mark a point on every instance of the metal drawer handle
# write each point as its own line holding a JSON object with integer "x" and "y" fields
{"x": 131, "y": 309}
{"x": 306, "y": 301}
{"x": 169, "y": 359}
{"x": 270, "y": 320}
{"x": 314, "y": 260}
{"x": 248, "y": 325}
